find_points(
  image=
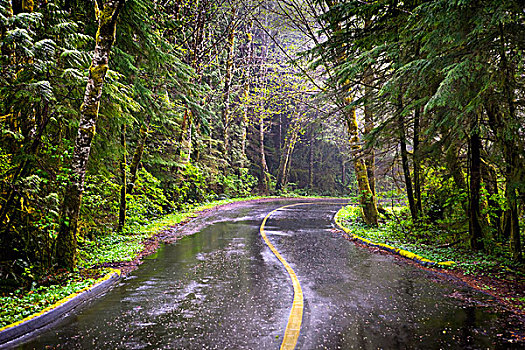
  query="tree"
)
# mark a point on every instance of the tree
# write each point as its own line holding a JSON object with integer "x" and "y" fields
{"x": 107, "y": 15}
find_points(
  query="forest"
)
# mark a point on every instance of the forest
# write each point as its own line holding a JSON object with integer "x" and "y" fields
{"x": 117, "y": 112}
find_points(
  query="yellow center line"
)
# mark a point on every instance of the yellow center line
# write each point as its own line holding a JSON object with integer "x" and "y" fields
{"x": 293, "y": 328}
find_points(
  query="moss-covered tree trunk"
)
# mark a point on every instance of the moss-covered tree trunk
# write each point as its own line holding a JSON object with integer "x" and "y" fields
{"x": 513, "y": 220}
{"x": 246, "y": 91}
{"x": 263, "y": 180}
{"x": 454, "y": 166}
{"x": 370, "y": 160}
{"x": 66, "y": 244}
{"x": 226, "y": 118}
{"x": 366, "y": 196}
{"x": 123, "y": 178}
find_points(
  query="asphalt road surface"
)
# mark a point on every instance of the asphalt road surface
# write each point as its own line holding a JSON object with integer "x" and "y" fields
{"x": 223, "y": 288}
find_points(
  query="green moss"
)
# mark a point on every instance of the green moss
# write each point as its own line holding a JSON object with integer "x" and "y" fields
{"x": 98, "y": 72}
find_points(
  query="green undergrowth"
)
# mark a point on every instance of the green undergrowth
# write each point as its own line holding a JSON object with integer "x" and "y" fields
{"x": 492, "y": 264}
{"x": 20, "y": 304}
{"x": 112, "y": 248}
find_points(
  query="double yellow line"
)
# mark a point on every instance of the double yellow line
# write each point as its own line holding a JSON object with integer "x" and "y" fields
{"x": 293, "y": 328}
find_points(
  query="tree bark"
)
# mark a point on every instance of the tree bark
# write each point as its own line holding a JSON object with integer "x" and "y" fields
{"x": 188, "y": 143}
{"x": 404, "y": 161}
{"x": 246, "y": 91}
{"x": 311, "y": 160}
{"x": 370, "y": 160}
{"x": 123, "y": 185}
{"x": 263, "y": 180}
{"x": 475, "y": 231}
{"x": 66, "y": 245}
{"x": 226, "y": 91}
{"x": 511, "y": 155}
{"x": 503, "y": 124}
{"x": 366, "y": 196}
{"x": 286, "y": 155}
{"x": 417, "y": 162}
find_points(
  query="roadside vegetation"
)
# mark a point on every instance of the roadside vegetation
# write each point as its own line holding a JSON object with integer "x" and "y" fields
{"x": 493, "y": 270}
{"x": 115, "y": 114}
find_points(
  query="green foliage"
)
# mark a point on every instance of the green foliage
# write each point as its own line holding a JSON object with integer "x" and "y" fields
{"x": 38, "y": 103}
{"x": 148, "y": 200}
{"x": 16, "y": 306}
{"x": 110, "y": 248}
{"x": 191, "y": 189}
{"x": 234, "y": 185}
{"x": 99, "y": 205}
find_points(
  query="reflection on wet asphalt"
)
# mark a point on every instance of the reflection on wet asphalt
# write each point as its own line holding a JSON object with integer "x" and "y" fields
{"x": 222, "y": 288}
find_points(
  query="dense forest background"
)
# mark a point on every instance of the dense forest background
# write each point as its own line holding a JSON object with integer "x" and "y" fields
{"x": 114, "y": 112}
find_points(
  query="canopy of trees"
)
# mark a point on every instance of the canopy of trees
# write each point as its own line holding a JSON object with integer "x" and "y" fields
{"x": 113, "y": 112}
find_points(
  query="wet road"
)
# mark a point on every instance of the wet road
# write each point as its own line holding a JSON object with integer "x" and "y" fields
{"x": 222, "y": 288}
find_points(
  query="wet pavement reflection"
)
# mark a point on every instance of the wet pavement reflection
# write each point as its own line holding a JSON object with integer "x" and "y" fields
{"x": 222, "y": 288}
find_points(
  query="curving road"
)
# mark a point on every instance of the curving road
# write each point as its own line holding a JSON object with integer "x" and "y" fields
{"x": 223, "y": 288}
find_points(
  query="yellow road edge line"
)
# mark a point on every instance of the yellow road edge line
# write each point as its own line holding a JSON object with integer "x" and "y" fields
{"x": 109, "y": 275}
{"x": 404, "y": 253}
{"x": 293, "y": 328}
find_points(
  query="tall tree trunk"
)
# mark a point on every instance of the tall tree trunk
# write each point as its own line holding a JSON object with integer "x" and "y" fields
{"x": 366, "y": 196}
{"x": 311, "y": 160}
{"x": 417, "y": 162}
{"x": 247, "y": 69}
{"x": 286, "y": 156}
{"x": 490, "y": 178}
{"x": 179, "y": 153}
{"x": 503, "y": 124}
{"x": 404, "y": 160}
{"x": 66, "y": 245}
{"x": 475, "y": 231}
{"x": 370, "y": 160}
{"x": 511, "y": 155}
{"x": 184, "y": 148}
{"x": 226, "y": 119}
{"x": 343, "y": 175}
{"x": 513, "y": 220}
{"x": 188, "y": 142}
{"x": 263, "y": 180}
{"x": 123, "y": 185}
